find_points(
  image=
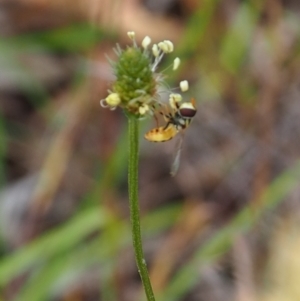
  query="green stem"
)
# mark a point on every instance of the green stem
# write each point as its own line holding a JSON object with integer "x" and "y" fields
{"x": 134, "y": 205}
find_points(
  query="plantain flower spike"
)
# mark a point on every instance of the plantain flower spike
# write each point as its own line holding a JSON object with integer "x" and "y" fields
{"x": 137, "y": 87}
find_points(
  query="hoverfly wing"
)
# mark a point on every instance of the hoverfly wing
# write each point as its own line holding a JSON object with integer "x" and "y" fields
{"x": 177, "y": 156}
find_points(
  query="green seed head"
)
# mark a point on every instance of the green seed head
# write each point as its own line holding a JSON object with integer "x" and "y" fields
{"x": 135, "y": 89}
{"x": 135, "y": 82}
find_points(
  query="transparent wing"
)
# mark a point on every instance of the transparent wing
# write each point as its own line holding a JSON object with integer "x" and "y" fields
{"x": 176, "y": 160}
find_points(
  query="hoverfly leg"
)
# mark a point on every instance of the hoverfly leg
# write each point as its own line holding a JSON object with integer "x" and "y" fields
{"x": 166, "y": 126}
{"x": 166, "y": 116}
{"x": 155, "y": 116}
{"x": 156, "y": 120}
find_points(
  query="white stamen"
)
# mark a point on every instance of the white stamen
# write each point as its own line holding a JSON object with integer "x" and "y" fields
{"x": 103, "y": 103}
{"x": 184, "y": 85}
{"x": 157, "y": 61}
{"x": 146, "y": 42}
{"x": 169, "y": 45}
{"x": 173, "y": 99}
{"x": 176, "y": 97}
{"x": 143, "y": 109}
{"x": 131, "y": 35}
{"x": 113, "y": 99}
{"x": 155, "y": 50}
{"x": 163, "y": 46}
{"x": 166, "y": 46}
{"x": 176, "y": 63}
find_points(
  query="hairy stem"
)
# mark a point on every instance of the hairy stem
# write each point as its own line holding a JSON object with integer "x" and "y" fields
{"x": 134, "y": 206}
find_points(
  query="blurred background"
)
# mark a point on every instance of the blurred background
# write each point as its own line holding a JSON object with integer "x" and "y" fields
{"x": 225, "y": 228}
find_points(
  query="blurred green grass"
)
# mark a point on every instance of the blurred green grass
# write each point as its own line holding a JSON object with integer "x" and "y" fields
{"x": 3, "y": 150}
{"x": 73, "y": 38}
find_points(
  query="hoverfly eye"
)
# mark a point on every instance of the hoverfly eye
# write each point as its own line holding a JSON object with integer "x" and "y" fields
{"x": 187, "y": 112}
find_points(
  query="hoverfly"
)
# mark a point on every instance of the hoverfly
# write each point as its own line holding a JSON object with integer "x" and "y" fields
{"x": 177, "y": 120}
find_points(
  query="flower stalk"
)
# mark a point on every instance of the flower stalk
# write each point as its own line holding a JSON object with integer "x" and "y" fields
{"x": 133, "y": 161}
{"x": 137, "y": 90}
